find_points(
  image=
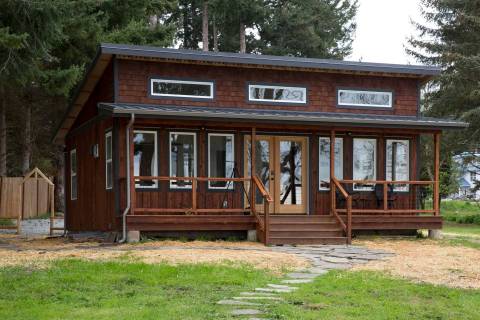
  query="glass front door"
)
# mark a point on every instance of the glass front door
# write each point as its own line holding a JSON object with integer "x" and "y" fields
{"x": 280, "y": 163}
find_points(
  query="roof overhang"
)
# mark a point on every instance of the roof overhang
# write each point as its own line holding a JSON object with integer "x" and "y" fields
{"x": 243, "y": 60}
{"x": 81, "y": 95}
{"x": 280, "y": 116}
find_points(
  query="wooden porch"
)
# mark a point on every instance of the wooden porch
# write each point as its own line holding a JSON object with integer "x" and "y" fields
{"x": 345, "y": 215}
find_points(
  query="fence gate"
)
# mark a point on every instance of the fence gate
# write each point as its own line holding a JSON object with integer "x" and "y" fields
{"x": 27, "y": 197}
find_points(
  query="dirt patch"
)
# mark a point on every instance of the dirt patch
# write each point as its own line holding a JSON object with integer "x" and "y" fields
{"x": 427, "y": 261}
{"x": 38, "y": 252}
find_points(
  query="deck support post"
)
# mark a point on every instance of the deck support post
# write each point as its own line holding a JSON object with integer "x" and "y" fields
{"x": 133, "y": 201}
{"x": 333, "y": 199}
{"x": 253, "y": 139}
{"x": 436, "y": 186}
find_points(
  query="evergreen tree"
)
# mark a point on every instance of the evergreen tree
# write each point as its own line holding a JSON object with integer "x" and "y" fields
{"x": 308, "y": 28}
{"x": 451, "y": 39}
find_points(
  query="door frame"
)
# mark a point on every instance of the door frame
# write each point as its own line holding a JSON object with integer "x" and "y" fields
{"x": 274, "y": 152}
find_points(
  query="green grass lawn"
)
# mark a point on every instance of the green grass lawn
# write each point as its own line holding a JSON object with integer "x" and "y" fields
{"x": 462, "y": 229}
{"x": 370, "y": 295}
{"x": 75, "y": 289}
{"x": 461, "y": 211}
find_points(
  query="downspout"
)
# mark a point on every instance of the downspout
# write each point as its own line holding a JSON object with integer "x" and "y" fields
{"x": 127, "y": 208}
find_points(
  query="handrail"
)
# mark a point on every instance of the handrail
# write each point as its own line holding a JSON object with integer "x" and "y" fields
{"x": 423, "y": 182}
{"x": 347, "y": 227}
{"x": 267, "y": 199}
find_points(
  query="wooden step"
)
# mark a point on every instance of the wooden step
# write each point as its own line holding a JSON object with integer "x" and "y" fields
{"x": 304, "y": 226}
{"x": 301, "y": 218}
{"x": 307, "y": 240}
{"x": 306, "y": 233}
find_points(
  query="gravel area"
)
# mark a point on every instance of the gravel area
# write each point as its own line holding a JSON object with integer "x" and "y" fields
{"x": 16, "y": 250}
{"x": 427, "y": 261}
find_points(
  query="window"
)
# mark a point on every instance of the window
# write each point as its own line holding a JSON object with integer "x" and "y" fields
{"x": 364, "y": 162}
{"x": 359, "y": 98}
{"x": 281, "y": 94}
{"x": 473, "y": 176}
{"x": 183, "y": 156}
{"x": 398, "y": 163}
{"x": 73, "y": 175}
{"x": 180, "y": 88}
{"x": 220, "y": 159}
{"x": 324, "y": 161}
{"x": 145, "y": 157}
{"x": 108, "y": 160}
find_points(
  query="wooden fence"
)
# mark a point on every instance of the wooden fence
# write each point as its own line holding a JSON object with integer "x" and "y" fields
{"x": 27, "y": 197}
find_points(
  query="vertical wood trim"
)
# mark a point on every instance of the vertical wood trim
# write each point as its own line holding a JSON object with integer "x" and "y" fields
{"x": 133, "y": 199}
{"x": 436, "y": 189}
{"x": 253, "y": 139}
{"x": 332, "y": 170}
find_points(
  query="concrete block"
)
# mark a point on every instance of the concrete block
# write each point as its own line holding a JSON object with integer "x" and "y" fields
{"x": 133, "y": 236}
{"x": 252, "y": 235}
{"x": 435, "y": 234}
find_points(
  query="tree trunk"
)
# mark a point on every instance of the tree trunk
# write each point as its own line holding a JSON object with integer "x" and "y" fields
{"x": 3, "y": 133}
{"x": 242, "y": 38}
{"x": 205, "y": 25}
{"x": 215, "y": 35}
{"x": 27, "y": 138}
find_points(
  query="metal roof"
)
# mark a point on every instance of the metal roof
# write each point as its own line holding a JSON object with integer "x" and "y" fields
{"x": 305, "y": 117}
{"x": 267, "y": 60}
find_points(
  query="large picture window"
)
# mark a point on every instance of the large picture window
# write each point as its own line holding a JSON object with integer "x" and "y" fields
{"x": 145, "y": 157}
{"x": 324, "y": 161}
{"x": 397, "y": 163}
{"x": 220, "y": 159}
{"x": 108, "y": 161}
{"x": 183, "y": 157}
{"x": 365, "y": 98}
{"x": 73, "y": 175}
{"x": 279, "y": 94}
{"x": 364, "y": 162}
{"x": 181, "y": 88}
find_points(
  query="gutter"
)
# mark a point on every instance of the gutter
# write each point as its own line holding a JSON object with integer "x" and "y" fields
{"x": 127, "y": 208}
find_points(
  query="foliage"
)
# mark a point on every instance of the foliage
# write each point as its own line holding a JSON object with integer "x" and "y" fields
{"x": 461, "y": 211}
{"x": 311, "y": 28}
{"x": 371, "y": 295}
{"x": 450, "y": 38}
{"x": 74, "y": 289}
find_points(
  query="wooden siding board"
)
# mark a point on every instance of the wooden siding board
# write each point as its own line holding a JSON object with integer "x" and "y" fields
{"x": 231, "y": 82}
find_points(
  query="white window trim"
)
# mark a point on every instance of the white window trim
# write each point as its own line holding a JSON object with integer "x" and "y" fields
{"x": 408, "y": 162}
{"x": 205, "y": 83}
{"x": 250, "y": 98}
{"x": 155, "y": 160}
{"x": 173, "y": 186}
{"x": 355, "y": 188}
{"x": 364, "y": 104}
{"x": 228, "y": 186}
{"x": 341, "y": 160}
{"x": 73, "y": 152}
{"x": 107, "y": 161}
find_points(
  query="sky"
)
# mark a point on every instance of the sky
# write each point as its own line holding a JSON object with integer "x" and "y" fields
{"x": 383, "y": 27}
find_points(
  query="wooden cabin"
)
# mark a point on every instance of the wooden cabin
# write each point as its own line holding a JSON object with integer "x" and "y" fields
{"x": 160, "y": 140}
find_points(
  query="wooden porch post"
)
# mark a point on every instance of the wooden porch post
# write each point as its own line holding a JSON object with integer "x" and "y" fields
{"x": 132, "y": 174}
{"x": 436, "y": 187}
{"x": 253, "y": 137}
{"x": 332, "y": 172}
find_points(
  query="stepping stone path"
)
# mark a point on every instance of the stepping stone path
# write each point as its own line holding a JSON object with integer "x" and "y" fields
{"x": 253, "y": 305}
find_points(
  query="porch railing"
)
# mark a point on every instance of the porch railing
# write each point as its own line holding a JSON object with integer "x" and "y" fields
{"x": 255, "y": 183}
{"x": 349, "y": 210}
{"x": 347, "y": 227}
